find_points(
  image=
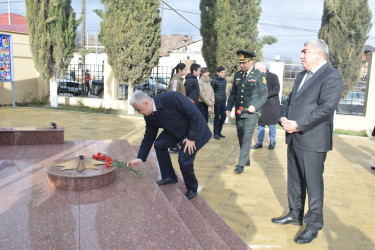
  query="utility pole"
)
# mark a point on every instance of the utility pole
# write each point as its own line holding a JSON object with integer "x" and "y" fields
{"x": 9, "y": 13}
{"x": 83, "y": 36}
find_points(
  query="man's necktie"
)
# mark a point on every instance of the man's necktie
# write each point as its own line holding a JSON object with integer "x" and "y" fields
{"x": 308, "y": 75}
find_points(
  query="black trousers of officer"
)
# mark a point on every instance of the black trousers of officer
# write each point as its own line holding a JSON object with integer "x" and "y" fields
{"x": 165, "y": 141}
{"x": 245, "y": 130}
{"x": 305, "y": 173}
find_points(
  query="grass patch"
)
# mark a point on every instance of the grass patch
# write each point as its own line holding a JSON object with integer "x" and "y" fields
{"x": 82, "y": 108}
{"x": 350, "y": 132}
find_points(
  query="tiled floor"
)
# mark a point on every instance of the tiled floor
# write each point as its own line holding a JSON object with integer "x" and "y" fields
{"x": 247, "y": 202}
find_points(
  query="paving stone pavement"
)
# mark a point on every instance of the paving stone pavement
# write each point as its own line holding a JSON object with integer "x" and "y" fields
{"x": 247, "y": 202}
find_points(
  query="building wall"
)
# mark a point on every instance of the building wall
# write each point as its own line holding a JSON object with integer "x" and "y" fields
{"x": 193, "y": 51}
{"x": 27, "y": 82}
{"x": 367, "y": 121}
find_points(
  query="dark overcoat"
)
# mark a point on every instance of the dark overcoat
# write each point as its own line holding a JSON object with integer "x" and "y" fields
{"x": 271, "y": 109}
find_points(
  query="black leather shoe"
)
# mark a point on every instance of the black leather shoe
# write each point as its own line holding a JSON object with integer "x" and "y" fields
{"x": 174, "y": 150}
{"x": 287, "y": 219}
{"x": 257, "y": 146}
{"x": 247, "y": 163}
{"x": 372, "y": 167}
{"x": 167, "y": 181}
{"x": 238, "y": 170}
{"x": 272, "y": 145}
{"x": 306, "y": 236}
{"x": 216, "y": 137}
{"x": 190, "y": 194}
{"x": 221, "y": 135}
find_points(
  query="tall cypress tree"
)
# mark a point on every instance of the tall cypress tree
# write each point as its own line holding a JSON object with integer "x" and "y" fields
{"x": 208, "y": 32}
{"x": 227, "y": 26}
{"x": 227, "y": 40}
{"x": 345, "y": 27}
{"x": 248, "y": 13}
{"x": 52, "y": 29}
{"x": 130, "y": 32}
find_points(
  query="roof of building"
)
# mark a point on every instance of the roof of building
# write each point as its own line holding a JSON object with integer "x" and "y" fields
{"x": 369, "y": 48}
{"x": 20, "y": 28}
{"x": 17, "y": 24}
{"x": 14, "y": 19}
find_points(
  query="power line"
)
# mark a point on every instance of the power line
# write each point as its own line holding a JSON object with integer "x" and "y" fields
{"x": 287, "y": 27}
{"x": 184, "y": 11}
{"x": 180, "y": 15}
{"x": 13, "y": 2}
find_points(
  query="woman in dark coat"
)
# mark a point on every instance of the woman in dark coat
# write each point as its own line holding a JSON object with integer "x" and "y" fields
{"x": 270, "y": 110}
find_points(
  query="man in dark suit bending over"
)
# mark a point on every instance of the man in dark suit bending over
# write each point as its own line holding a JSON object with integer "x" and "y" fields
{"x": 182, "y": 123}
{"x": 307, "y": 118}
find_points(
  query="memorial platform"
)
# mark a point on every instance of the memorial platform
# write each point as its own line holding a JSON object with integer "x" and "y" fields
{"x": 131, "y": 213}
{"x": 246, "y": 202}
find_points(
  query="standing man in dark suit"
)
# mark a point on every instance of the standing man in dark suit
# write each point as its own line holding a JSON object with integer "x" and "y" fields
{"x": 249, "y": 93}
{"x": 182, "y": 123}
{"x": 307, "y": 118}
{"x": 270, "y": 110}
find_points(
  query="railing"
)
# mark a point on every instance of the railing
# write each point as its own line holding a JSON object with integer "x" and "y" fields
{"x": 79, "y": 80}
{"x": 353, "y": 103}
{"x": 156, "y": 83}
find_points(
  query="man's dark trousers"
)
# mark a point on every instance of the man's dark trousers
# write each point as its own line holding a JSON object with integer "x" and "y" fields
{"x": 186, "y": 161}
{"x": 220, "y": 116}
{"x": 306, "y": 166}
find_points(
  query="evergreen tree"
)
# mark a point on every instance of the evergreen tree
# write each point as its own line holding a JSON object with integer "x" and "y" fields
{"x": 227, "y": 26}
{"x": 52, "y": 30}
{"x": 345, "y": 27}
{"x": 130, "y": 32}
{"x": 227, "y": 40}
{"x": 208, "y": 33}
{"x": 248, "y": 13}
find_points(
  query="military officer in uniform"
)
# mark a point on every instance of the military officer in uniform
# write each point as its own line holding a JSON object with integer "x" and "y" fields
{"x": 249, "y": 92}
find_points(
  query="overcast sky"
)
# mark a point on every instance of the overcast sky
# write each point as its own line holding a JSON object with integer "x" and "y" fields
{"x": 292, "y": 22}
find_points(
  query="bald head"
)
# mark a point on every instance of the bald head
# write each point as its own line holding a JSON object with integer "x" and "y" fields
{"x": 260, "y": 66}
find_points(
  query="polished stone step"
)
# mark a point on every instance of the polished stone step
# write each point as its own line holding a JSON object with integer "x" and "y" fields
{"x": 131, "y": 213}
{"x": 201, "y": 214}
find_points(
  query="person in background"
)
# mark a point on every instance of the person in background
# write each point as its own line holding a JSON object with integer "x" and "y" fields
{"x": 219, "y": 85}
{"x": 191, "y": 83}
{"x": 249, "y": 93}
{"x": 307, "y": 118}
{"x": 177, "y": 84}
{"x": 87, "y": 81}
{"x": 181, "y": 122}
{"x": 206, "y": 94}
{"x": 270, "y": 110}
{"x": 177, "y": 79}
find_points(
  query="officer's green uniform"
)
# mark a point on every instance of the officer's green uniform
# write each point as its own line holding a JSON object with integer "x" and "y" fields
{"x": 246, "y": 91}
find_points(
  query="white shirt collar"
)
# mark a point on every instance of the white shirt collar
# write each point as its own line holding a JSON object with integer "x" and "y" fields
{"x": 318, "y": 67}
{"x": 153, "y": 105}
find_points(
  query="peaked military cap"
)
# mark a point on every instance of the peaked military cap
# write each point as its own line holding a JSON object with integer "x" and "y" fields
{"x": 244, "y": 56}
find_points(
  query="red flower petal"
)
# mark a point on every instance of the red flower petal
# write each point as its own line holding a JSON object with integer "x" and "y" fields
{"x": 94, "y": 156}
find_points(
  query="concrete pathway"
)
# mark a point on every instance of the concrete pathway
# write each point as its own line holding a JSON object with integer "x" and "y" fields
{"x": 247, "y": 202}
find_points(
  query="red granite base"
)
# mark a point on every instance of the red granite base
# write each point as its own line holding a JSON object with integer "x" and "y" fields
{"x": 77, "y": 181}
{"x": 31, "y": 136}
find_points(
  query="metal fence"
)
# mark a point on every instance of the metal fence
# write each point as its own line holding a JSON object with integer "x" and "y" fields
{"x": 353, "y": 103}
{"x": 79, "y": 80}
{"x": 156, "y": 83}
